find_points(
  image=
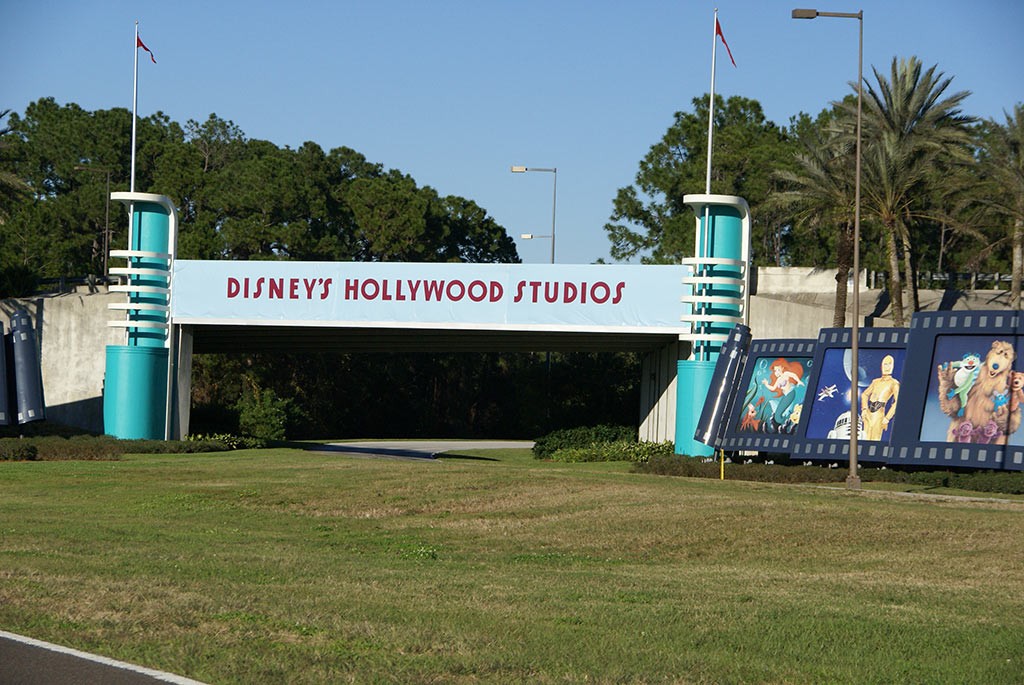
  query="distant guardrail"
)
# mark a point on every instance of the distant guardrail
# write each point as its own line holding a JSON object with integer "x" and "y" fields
{"x": 963, "y": 280}
{"x": 66, "y": 284}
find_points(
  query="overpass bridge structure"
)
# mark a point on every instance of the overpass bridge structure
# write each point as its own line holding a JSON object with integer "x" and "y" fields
{"x": 357, "y": 307}
{"x": 166, "y": 310}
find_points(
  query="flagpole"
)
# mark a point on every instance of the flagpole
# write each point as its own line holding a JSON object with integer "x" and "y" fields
{"x": 711, "y": 100}
{"x": 705, "y": 227}
{"x": 135, "y": 104}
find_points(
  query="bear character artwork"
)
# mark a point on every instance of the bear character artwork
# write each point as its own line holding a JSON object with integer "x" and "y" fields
{"x": 1016, "y": 389}
{"x": 984, "y": 414}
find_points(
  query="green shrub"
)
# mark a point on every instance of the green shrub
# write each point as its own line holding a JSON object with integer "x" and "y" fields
{"x": 263, "y": 415}
{"x": 582, "y": 437}
{"x": 679, "y": 465}
{"x": 621, "y": 450}
{"x": 108, "y": 448}
{"x": 187, "y": 446}
{"x": 16, "y": 449}
{"x": 1007, "y": 483}
{"x": 572, "y": 455}
{"x": 217, "y": 442}
{"x": 693, "y": 467}
{"x": 643, "y": 451}
{"x": 1000, "y": 482}
{"x": 78, "y": 447}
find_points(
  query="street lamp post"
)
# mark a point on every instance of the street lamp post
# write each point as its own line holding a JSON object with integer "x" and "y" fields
{"x": 554, "y": 199}
{"x": 535, "y": 236}
{"x": 530, "y": 236}
{"x": 106, "y": 221}
{"x": 853, "y": 479}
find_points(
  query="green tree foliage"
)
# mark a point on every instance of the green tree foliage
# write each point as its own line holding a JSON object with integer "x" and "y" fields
{"x": 57, "y": 228}
{"x": 428, "y": 395}
{"x": 12, "y": 188}
{"x": 238, "y": 198}
{"x": 262, "y": 414}
{"x": 649, "y": 219}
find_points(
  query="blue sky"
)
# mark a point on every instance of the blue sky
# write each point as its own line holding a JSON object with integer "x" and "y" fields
{"x": 454, "y": 92}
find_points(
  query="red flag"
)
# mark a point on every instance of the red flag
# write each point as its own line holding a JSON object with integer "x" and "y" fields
{"x": 140, "y": 44}
{"x": 718, "y": 32}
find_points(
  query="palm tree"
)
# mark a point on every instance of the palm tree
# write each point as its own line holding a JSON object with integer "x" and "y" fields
{"x": 909, "y": 127}
{"x": 820, "y": 194}
{"x": 1002, "y": 159}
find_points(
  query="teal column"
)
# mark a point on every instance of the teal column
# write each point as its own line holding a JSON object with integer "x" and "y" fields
{"x": 134, "y": 392}
{"x": 693, "y": 380}
{"x": 149, "y": 272}
{"x": 137, "y": 387}
{"x": 718, "y": 298}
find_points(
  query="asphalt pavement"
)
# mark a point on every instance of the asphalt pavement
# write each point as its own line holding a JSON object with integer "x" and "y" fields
{"x": 24, "y": 661}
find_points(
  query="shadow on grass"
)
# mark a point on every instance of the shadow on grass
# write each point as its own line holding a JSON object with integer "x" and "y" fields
{"x": 465, "y": 457}
{"x": 380, "y": 451}
{"x": 355, "y": 450}
{"x": 392, "y": 453}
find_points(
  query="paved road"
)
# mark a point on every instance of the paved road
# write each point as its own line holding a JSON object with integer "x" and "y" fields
{"x": 420, "y": 449}
{"x": 24, "y": 661}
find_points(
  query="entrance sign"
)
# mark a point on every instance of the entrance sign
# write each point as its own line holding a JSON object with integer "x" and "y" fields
{"x": 598, "y": 298}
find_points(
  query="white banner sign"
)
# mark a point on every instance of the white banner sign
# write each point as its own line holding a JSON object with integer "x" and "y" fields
{"x": 413, "y": 295}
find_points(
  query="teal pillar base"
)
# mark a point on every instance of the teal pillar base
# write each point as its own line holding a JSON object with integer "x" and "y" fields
{"x": 135, "y": 392}
{"x": 693, "y": 380}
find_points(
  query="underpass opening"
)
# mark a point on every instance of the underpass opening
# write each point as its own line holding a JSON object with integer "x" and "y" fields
{"x": 404, "y": 308}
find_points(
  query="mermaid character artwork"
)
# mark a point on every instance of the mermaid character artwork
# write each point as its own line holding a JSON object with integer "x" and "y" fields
{"x": 775, "y": 395}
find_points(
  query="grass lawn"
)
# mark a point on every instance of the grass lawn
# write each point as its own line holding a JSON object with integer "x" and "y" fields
{"x": 277, "y": 566}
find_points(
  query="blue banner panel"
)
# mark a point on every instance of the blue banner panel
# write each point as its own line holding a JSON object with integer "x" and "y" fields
{"x": 724, "y": 387}
{"x": 958, "y": 407}
{"x": 771, "y": 396}
{"x": 824, "y": 433}
{"x": 28, "y": 378}
{"x": 5, "y": 414}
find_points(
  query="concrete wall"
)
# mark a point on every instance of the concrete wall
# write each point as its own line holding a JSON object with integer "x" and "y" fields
{"x": 72, "y": 335}
{"x": 796, "y": 302}
{"x": 786, "y": 280}
{"x": 658, "y": 392}
{"x": 781, "y": 318}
